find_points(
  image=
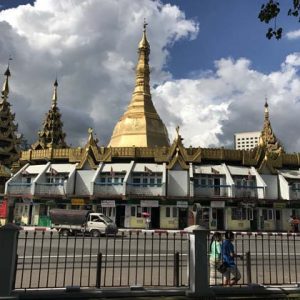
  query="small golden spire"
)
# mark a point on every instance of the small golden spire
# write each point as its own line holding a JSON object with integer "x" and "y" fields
{"x": 144, "y": 44}
{"x": 266, "y": 109}
{"x": 5, "y": 88}
{"x": 54, "y": 97}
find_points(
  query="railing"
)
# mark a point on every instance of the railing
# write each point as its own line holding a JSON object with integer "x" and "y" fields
{"x": 148, "y": 189}
{"x": 210, "y": 190}
{"x": 294, "y": 193}
{"x": 16, "y": 188}
{"x": 149, "y": 258}
{"x": 268, "y": 259}
{"x": 247, "y": 191}
{"x": 50, "y": 189}
{"x": 108, "y": 188}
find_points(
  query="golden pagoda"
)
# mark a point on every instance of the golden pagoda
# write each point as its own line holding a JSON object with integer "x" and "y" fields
{"x": 140, "y": 126}
{"x": 9, "y": 139}
{"x": 267, "y": 137}
{"x": 52, "y": 135}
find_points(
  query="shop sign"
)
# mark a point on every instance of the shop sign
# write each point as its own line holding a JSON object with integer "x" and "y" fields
{"x": 3, "y": 209}
{"x": 108, "y": 203}
{"x": 182, "y": 204}
{"x": 279, "y": 205}
{"x": 149, "y": 203}
{"x": 27, "y": 201}
{"x": 217, "y": 204}
{"x": 77, "y": 201}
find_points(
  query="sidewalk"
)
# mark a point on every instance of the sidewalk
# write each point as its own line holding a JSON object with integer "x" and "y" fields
{"x": 221, "y": 293}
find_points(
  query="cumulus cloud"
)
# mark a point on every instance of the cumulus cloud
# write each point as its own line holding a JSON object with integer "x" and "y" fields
{"x": 213, "y": 106}
{"x": 293, "y": 35}
{"x": 91, "y": 46}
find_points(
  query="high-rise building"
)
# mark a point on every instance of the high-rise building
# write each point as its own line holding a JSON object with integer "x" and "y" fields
{"x": 246, "y": 140}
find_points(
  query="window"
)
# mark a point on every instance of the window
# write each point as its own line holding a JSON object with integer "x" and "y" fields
{"x": 267, "y": 214}
{"x": 139, "y": 212}
{"x": 132, "y": 211}
{"x": 238, "y": 213}
{"x": 203, "y": 181}
{"x": 158, "y": 180}
{"x": 152, "y": 181}
{"x": 175, "y": 210}
{"x": 136, "y": 180}
{"x": 168, "y": 212}
{"x": 102, "y": 179}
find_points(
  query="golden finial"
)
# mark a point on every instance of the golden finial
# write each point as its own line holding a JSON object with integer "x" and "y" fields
{"x": 145, "y": 25}
{"x": 54, "y": 97}
{"x": 144, "y": 42}
{"x": 266, "y": 109}
{"x": 177, "y": 132}
{"x": 5, "y": 88}
{"x": 90, "y": 130}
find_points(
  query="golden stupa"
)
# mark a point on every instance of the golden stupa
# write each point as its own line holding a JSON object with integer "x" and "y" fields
{"x": 140, "y": 126}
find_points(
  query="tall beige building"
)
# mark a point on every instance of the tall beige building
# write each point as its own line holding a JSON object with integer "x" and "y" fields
{"x": 246, "y": 140}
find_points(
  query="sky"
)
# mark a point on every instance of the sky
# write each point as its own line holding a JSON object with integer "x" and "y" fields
{"x": 211, "y": 66}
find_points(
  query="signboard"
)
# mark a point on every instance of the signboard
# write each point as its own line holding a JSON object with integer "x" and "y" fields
{"x": 279, "y": 205}
{"x": 108, "y": 203}
{"x": 149, "y": 203}
{"x": 77, "y": 201}
{"x": 3, "y": 209}
{"x": 182, "y": 204}
{"x": 217, "y": 204}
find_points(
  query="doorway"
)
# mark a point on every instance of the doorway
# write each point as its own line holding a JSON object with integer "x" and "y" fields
{"x": 155, "y": 217}
{"x": 120, "y": 215}
{"x": 182, "y": 218}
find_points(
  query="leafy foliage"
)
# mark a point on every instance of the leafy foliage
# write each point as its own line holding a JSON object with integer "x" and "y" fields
{"x": 269, "y": 12}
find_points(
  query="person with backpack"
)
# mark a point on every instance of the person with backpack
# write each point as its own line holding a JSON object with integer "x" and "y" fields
{"x": 232, "y": 274}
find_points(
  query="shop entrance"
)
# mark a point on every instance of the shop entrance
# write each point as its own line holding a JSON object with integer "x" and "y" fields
{"x": 182, "y": 218}
{"x": 155, "y": 217}
{"x": 120, "y": 215}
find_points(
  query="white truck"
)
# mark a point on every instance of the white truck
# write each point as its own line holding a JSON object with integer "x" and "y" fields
{"x": 73, "y": 221}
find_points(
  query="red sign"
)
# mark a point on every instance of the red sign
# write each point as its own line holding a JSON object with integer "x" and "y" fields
{"x": 3, "y": 209}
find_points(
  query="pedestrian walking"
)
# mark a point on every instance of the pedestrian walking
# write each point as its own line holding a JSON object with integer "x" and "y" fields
{"x": 215, "y": 259}
{"x": 228, "y": 257}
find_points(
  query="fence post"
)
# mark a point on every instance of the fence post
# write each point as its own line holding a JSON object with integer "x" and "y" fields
{"x": 248, "y": 267}
{"x": 8, "y": 255}
{"x": 198, "y": 266}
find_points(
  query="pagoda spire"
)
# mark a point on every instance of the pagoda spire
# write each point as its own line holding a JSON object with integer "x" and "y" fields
{"x": 54, "y": 97}
{"x": 267, "y": 136}
{"x": 140, "y": 126}
{"x": 51, "y": 135}
{"x": 9, "y": 137}
{"x": 5, "y": 88}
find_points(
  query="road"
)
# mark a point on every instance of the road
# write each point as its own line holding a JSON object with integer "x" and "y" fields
{"x": 48, "y": 260}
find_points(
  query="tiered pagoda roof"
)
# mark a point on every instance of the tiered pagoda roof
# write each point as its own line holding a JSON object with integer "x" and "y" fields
{"x": 51, "y": 135}
{"x": 9, "y": 138}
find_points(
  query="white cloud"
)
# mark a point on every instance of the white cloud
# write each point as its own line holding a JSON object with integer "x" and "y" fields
{"x": 293, "y": 35}
{"x": 230, "y": 99}
{"x": 91, "y": 46}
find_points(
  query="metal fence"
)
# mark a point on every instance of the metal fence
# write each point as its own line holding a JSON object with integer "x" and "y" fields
{"x": 268, "y": 259}
{"x": 132, "y": 258}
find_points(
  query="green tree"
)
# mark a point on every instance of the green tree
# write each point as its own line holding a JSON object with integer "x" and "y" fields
{"x": 269, "y": 12}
